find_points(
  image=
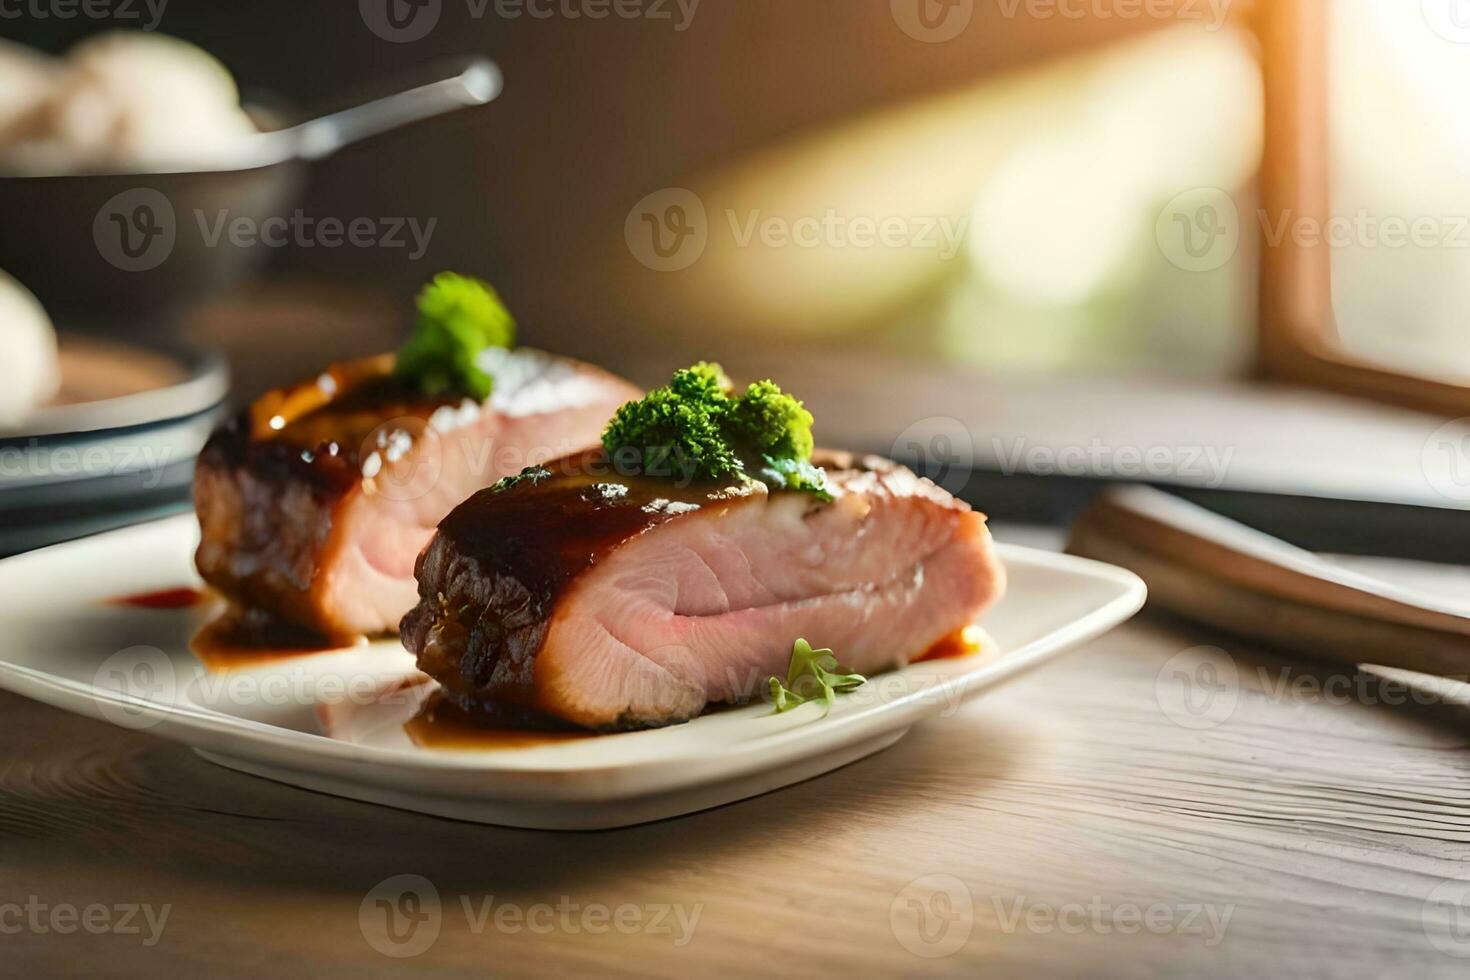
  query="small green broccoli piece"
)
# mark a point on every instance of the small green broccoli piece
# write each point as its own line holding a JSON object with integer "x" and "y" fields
{"x": 772, "y": 423}
{"x": 703, "y": 384}
{"x": 531, "y": 474}
{"x": 795, "y": 474}
{"x": 695, "y": 427}
{"x": 677, "y": 430}
{"x": 459, "y": 317}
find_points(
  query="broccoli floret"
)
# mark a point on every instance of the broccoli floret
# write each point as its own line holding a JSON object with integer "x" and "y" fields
{"x": 677, "y": 430}
{"x": 694, "y": 427}
{"x": 772, "y": 423}
{"x": 703, "y": 384}
{"x": 459, "y": 317}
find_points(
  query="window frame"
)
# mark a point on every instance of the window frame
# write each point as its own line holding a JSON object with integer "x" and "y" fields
{"x": 1298, "y": 337}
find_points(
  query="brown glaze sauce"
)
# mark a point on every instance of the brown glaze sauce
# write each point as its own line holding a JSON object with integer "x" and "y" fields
{"x": 180, "y": 598}
{"x": 530, "y": 542}
{"x": 232, "y": 640}
{"x": 237, "y": 640}
{"x": 321, "y": 430}
{"x": 964, "y": 642}
{"x": 441, "y": 724}
{"x": 343, "y": 389}
{"x": 573, "y": 510}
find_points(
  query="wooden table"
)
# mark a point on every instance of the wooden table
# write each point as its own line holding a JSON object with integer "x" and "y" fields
{"x": 1067, "y": 825}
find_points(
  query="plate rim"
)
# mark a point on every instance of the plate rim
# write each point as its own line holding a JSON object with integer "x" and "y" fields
{"x": 247, "y": 737}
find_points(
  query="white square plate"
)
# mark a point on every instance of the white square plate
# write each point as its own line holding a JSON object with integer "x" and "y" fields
{"x": 68, "y": 642}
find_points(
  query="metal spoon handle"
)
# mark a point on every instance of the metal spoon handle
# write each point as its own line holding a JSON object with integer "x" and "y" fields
{"x": 475, "y": 83}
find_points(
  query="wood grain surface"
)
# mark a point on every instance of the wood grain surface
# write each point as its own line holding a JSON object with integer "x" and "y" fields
{"x": 1162, "y": 802}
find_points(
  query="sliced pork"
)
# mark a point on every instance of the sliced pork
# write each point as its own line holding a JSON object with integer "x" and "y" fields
{"x": 618, "y": 602}
{"x": 314, "y": 504}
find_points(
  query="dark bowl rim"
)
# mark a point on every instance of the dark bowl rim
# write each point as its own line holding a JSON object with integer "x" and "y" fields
{"x": 205, "y": 387}
{"x": 144, "y": 175}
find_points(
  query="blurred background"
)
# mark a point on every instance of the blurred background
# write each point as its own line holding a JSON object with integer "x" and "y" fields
{"x": 1021, "y": 163}
{"x": 1009, "y": 210}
